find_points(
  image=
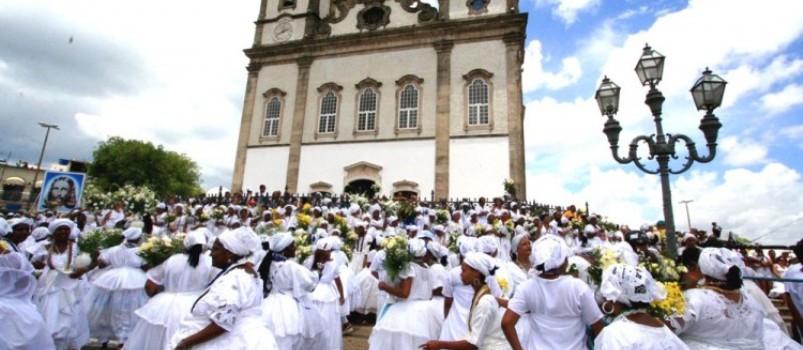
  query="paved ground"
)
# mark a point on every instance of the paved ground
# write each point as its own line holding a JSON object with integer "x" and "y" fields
{"x": 357, "y": 340}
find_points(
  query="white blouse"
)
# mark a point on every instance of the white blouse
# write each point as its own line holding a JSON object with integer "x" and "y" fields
{"x": 627, "y": 335}
{"x": 486, "y": 325}
{"x": 711, "y": 321}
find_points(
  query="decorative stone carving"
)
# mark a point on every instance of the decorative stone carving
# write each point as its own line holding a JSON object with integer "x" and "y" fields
{"x": 320, "y": 186}
{"x": 373, "y": 16}
{"x": 274, "y": 92}
{"x": 426, "y": 13}
{"x": 405, "y": 186}
{"x": 362, "y": 171}
{"x": 368, "y": 82}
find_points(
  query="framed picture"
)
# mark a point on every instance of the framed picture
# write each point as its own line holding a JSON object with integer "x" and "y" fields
{"x": 61, "y": 191}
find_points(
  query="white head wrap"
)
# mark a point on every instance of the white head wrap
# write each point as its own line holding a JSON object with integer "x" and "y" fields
{"x": 197, "y": 236}
{"x": 516, "y": 241}
{"x": 19, "y": 221}
{"x": 715, "y": 262}
{"x": 551, "y": 251}
{"x": 466, "y": 245}
{"x": 481, "y": 262}
{"x": 40, "y": 233}
{"x": 327, "y": 243}
{"x": 280, "y": 241}
{"x": 354, "y": 209}
{"x": 427, "y": 234}
{"x": 625, "y": 284}
{"x": 75, "y": 233}
{"x": 392, "y": 219}
{"x": 417, "y": 247}
{"x": 132, "y": 233}
{"x": 241, "y": 241}
{"x": 439, "y": 228}
{"x": 4, "y": 228}
{"x": 689, "y": 236}
{"x": 437, "y": 250}
{"x": 488, "y": 244}
{"x": 59, "y": 223}
{"x": 161, "y": 206}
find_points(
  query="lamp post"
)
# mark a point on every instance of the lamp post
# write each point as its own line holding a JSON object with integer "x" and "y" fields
{"x": 39, "y": 163}
{"x": 688, "y": 218}
{"x": 707, "y": 93}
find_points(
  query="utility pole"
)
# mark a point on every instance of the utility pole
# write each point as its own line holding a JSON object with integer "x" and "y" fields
{"x": 39, "y": 163}
{"x": 688, "y": 218}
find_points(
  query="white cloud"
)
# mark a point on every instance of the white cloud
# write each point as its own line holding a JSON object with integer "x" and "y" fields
{"x": 568, "y": 10}
{"x": 793, "y": 132}
{"x": 534, "y": 76}
{"x": 741, "y": 151}
{"x": 781, "y": 101}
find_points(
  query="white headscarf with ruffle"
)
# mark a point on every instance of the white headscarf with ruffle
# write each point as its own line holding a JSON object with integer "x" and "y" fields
{"x": 625, "y": 284}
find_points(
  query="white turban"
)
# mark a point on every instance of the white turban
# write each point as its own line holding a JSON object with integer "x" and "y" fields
{"x": 59, "y": 223}
{"x": 625, "y": 284}
{"x": 427, "y": 234}
{"x": 161, "y": 206}
{"x": 241, "y": 242}
{"x": 391, "y": 219}
{"x": 412, "y": 228}
{"x": 488, "y": 244}
{"x": 689, "y": 236}
{"x": 466, "y": 244}
{"x": 439, "y": 228}
{"x": 132, "y": 233}
{"x": 197, "y": 236}
{"x": 4, "y": 228}
{"x": 327, "y": 243}
{"x": 715, "y": 262}
{"x": 437, "y": 250}
{"x": 417, "y": 247}
{"x": 19, "y": 221}
{"x": 354, "y": 209}
{"x": 40, "y": 233}
{"x": 516, "y": 241}
{"x": 280, "y": 241}
{"x": 551, "y": 251}
{"x": 482, "y": 263}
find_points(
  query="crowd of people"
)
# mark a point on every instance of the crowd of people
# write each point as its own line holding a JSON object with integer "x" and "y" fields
{"x": 473, "y": 275}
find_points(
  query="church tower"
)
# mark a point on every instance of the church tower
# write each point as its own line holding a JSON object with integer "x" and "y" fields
{"x": 398, "y": 93}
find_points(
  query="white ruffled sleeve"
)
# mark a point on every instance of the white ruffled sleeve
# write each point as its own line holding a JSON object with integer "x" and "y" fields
{"x": 329, "y": 272}
{"x": 157, "y": 274}
{"x": 225, "y": 300}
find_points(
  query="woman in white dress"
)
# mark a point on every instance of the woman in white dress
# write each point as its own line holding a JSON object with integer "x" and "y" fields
{"x": 485, "y": 315}
{"x": 117, "y": 293}
{"x": 227, "y": 315}
{"x": 393, "y": 330}
{"x": 328, "y": 295}
{"x": 176, "y": 284}
{"x": 287, "y": 310}
{"x": 518, "y": 268}
{"x": 721, "y": 314}
{"x": 628, "y": 291}
{"x": 61, "y": 290}
{"x": 560, "y": 307}
{"x": 457, "y": 296}
{"x": 22, "y": 326}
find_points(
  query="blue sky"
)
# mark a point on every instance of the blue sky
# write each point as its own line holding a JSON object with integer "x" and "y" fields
{"x": 172, "y": 72}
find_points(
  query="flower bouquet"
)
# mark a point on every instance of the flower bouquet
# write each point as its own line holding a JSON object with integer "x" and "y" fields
{"x": 204, "y": 217}
{"x": 303, "y": 246}
{"x": 306, "y": 209}
{"x": 396, "y": 256}
{"x": 453, "y": 237}
{"x": 666, "y": 273}
{"x": 510, "y": 187}
{"x": 217, "y": 214}
{"x": 93, "y": 242}
{"x": 303, "y": 221}
{"x": 601, "y": 259}
{"x": 442, "y": 217}
{"x": 156, "y": 250}
{"x": 406, "y": 213}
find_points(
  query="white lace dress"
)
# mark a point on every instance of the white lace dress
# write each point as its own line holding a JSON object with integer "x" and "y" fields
{"x": 60, "y": 300}
{"x": 393, "y": 330}
{"x": 625, "y": 334}
{"x": 485, "y": 330}
{"x": 326, "y": 299}
{"x": 159, "y": 319}
{"x": 116, "y": 294}
{"x": 288, "y": 312}
{"x": 233, "y": 302}
{"x": 456, "y": 323}
{"x": 711, "y": 321}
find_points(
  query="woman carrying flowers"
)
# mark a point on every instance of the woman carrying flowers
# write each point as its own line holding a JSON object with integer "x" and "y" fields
{"x": 628, "y": 292}
{"x": 173, "y": 286}
{"x": 413, "y": 291}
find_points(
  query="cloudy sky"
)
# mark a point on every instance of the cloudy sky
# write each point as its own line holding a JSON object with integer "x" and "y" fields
{"x": 172, "y": 72}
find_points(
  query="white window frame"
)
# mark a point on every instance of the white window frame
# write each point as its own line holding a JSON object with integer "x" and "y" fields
{"x": 473, "y": 119}
{"x": 402, "y": 84}
{"x": 330, "y": 118}
{"x": 269, "y": 96}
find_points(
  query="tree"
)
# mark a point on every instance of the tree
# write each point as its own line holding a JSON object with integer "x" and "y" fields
{"x": 118, "y": 162}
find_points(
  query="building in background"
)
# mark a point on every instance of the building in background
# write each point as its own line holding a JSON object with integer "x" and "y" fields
{"x": 418, "y": 100}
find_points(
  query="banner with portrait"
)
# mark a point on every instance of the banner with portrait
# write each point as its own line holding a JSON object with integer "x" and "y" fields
{"x": 61, "y": 191}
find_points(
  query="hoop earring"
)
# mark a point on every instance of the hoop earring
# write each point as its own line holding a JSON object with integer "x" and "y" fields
{"x": 607, "y": 312}
{"x": 476, "y": 282}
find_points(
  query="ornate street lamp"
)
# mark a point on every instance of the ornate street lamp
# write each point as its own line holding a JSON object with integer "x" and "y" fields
{"x": 707, "y": 93}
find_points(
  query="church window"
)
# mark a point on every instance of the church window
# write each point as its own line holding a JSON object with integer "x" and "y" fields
{"x": 273, "y": 110}
{"x": 288, "y": 3}
{"x": 366, "y": 119}
{"x": 477, "y": 6}
{"x": 478, "y": 103}
{"x": 408, "y": 107}
{"x": 328, "y": 116}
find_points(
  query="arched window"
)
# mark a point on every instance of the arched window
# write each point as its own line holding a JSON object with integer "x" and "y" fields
{"x": 478, "y": 102}
{"x": 272, "y": 112}
{"x": 408, "y": 107}
{"x": 328, "y": 116}
{"x": 366, "y": 118}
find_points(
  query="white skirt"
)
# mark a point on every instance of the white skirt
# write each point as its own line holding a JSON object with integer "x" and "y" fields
{"x": 23, "y": 327}
{"x": 159, "y": 319}
{"x": 112, "y": 312}
{"x": 249, "y": 333}
{"x": 60, "y": 301}
{"x": 368, "y": 285}
{"x": 395, "y": 331}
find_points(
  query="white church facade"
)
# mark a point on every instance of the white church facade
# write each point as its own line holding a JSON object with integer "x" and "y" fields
{"x": 389, "y": 92}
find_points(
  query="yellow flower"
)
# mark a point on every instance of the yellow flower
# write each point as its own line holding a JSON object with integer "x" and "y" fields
{"x": 503, "y": 284}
